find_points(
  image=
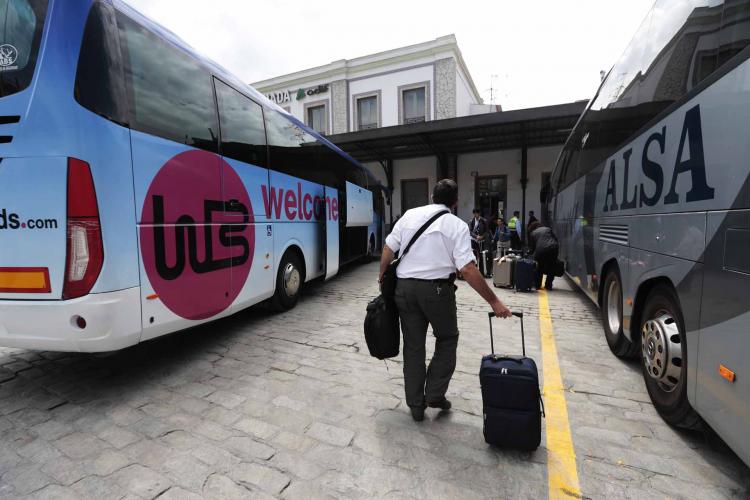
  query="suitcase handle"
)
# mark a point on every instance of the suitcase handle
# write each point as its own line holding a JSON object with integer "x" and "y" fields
{"x": 523, "y": 337}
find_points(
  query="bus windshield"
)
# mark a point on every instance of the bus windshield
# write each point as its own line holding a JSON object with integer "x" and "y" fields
{"x": 21, "y": 24}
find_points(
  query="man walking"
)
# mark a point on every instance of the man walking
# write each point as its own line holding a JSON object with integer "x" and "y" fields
{"x": 426, "y": 294}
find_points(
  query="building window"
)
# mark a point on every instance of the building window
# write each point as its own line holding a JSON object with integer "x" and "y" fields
{"x": 414, "y": 193}
{"x": 316, "y": 116}
{"x": 414, "y": 103}
{"x": 367, "y": 112}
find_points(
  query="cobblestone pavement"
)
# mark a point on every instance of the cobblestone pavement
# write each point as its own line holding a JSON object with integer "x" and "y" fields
{"x": 262, "y": 405}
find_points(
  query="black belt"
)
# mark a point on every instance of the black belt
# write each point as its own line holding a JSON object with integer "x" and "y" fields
{"x": 449, "y": 279}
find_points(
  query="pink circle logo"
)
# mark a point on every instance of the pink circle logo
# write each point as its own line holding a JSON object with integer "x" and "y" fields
{"x": 197, "y": 235}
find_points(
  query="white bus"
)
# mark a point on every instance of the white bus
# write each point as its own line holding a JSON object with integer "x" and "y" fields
{"x": 144, "y": 189}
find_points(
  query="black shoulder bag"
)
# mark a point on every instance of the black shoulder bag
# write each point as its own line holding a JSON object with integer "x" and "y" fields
{"x": 382, "y": 328}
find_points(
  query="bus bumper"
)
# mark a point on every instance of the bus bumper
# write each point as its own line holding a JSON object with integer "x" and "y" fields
{"x": 113, "y": 321}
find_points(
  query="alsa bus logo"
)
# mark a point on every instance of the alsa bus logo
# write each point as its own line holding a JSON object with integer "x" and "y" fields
{"x": 197, "y": 238}
{"x": 10, "y": 220}
{"x": 692, "y": 164}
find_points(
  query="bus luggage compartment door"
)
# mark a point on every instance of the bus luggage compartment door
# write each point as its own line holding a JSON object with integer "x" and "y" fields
{"x": 332, "y": 232}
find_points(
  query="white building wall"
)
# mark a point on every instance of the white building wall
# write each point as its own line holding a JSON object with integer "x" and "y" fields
{"x": 388, "y": 85}
{"x": 464, "y": 97}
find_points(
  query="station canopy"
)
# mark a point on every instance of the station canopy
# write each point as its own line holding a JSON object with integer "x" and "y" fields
{"x": 516, "y": 129}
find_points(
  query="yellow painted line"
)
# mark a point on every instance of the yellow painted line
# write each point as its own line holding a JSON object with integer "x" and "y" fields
{"x": 562, "y": 473}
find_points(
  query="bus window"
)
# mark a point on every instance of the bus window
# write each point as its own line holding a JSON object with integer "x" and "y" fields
{"x": 243, "y": 135}
{"x": 20, "y": 36}
{"x": 171, "y": 93}
{"x": 734, "y": 37}
{"x": 295, "y": 152}
{"x": 100, "y": 85}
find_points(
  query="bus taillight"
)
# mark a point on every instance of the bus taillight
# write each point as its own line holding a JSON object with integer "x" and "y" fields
{"x": 85, "y": 252}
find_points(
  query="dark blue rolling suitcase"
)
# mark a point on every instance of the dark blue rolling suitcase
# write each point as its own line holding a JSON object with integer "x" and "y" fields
{"x": 511, "y": 401}
{"x": 525, "y": 274}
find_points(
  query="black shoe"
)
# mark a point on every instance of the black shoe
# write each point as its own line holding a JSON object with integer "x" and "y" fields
{"x": 548, "y": 286}
{"x": 417, "y": 413}
{"x": 443, "y": 404}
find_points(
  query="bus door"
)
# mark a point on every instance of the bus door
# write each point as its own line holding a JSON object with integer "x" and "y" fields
{"x": 332, "y": 232}
{"x": 247, "y": 232}
{"x": 723, "y": 386}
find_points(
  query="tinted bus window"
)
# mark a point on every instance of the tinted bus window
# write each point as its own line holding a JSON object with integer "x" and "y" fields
{"x": 171, "y": 94}
{"x": 294, "y": 151}
{"x": 100, "y": 84}
{"x": 20, "y": 36}
{"x": 243, "y": 136}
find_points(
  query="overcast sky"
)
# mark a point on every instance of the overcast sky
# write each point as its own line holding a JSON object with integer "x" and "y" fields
{"x": 542, "y": 51}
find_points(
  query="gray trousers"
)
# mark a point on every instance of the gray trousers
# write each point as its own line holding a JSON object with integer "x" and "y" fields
{"x": 422, "y": 303}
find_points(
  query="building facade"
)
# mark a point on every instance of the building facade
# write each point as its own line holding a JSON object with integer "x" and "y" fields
{"x": 396, "y": 94}
{"x": 422, "y": 82}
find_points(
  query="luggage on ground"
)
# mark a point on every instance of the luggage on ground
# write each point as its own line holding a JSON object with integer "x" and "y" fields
{"x": 510, "y": 398}
{"x": 382, "y": 328}
{"x": 502, "y": 271}
{"x": 524, "y": 275}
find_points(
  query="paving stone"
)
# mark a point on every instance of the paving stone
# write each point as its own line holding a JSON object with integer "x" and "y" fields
{"x": 26, "y": 479}
{"x": 54, "y": 492}
{"x": 177, "y": 493}
{"x": 118, "y": 437}
{"x": 141, "y": 481}
{"x": 96, "y": 487}
{"x": 294, "y": 404}
{"x": 257, "y": 428}
{"x": 264, "y": 477}
{"x": 80, "y": 445}
{"x": 330, "y": 434}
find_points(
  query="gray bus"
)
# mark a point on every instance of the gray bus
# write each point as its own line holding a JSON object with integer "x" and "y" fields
{"x": 650, "y": 199}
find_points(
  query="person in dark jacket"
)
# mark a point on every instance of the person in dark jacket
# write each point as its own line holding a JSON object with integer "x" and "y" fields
{"x": 478, "y": 229}
{"x": 501, "y": 237}
{"x": 545, "y": 248}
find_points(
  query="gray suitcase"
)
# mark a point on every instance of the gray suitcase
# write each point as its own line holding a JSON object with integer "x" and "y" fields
{"x": 502, "y": 271}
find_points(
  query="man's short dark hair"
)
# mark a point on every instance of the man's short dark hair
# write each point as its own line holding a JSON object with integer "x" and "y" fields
{"x": 516, "y": 213}
{"x": 445, "y": 192}
{"x": 476, "y": 211}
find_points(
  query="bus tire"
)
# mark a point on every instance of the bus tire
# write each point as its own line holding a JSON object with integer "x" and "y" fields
{"x": 612, "y": 316}
{"x": 289, "y": 281}
{"x": 664, "y": 357}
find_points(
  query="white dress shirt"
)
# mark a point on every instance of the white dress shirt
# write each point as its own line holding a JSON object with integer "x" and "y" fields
{"x": 442, "y": 249}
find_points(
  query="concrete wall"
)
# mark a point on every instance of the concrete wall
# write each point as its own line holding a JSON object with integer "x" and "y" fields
{"x": 388, "y": 84}
{"x": 464, "y": 96}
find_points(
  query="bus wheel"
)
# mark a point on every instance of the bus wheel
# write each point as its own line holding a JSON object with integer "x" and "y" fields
{"x": 664, "y": 357}
{"x": 612, "y": 316}
{"x": 289, "y": 281}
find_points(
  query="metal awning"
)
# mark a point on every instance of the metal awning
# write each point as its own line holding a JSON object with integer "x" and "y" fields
{"x": 517, "y": 129}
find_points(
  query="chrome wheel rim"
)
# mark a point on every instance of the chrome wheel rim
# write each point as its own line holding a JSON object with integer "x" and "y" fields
{"x": 291, "y": 280}
{"x": 661, "y": 347}
{"x": 614, "y": 307}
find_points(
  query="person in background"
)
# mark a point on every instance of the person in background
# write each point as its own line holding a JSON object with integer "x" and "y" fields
{"x": 426, "y": 295}
{"x": 532, "y": 219}
{"x": 501, "y": 237}
{"x": 514, "y": 224}
{"x": 478, "y": 229}
{"x": 545, "y": 248}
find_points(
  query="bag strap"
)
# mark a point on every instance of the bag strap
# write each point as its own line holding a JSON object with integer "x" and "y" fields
{"x": 419, "y": 233}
